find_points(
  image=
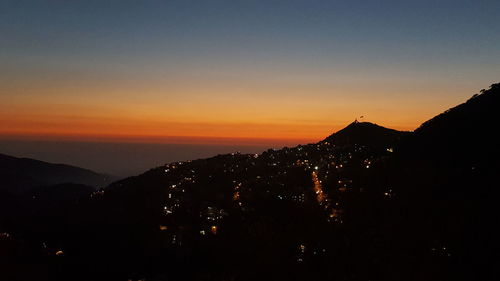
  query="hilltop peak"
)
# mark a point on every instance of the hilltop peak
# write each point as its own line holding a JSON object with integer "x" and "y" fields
{"x": 364, "y": 133}
{"x": 357, "y": 123}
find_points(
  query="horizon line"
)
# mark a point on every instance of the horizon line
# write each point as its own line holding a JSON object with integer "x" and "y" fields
{"x": 169, "y": 139}
{"x": 159, "y": 139}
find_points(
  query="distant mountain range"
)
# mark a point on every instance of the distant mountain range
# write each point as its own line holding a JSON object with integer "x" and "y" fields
{"x": 366, "y": 203}
{"x": 22, "y": 174}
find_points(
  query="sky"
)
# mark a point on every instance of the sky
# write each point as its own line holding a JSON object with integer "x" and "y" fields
{"x": 236, "y": 72}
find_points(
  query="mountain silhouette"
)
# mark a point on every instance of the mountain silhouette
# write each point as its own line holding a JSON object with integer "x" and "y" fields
{"x": 459, "y": 142}
{"x": 18, "y": 175}
{"x": 365, "y": 133}
{"x": 471, "y": 125}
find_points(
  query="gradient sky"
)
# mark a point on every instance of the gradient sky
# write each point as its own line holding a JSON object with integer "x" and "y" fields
{"x": 240, "y": 71}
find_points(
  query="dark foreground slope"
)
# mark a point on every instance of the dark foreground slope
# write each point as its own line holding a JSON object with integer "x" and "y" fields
{"x": 368, "y": 203}
{"x": 447, "y": 175}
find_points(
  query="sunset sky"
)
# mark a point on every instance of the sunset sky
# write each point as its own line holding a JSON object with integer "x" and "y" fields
{"x": 237, "y": 71}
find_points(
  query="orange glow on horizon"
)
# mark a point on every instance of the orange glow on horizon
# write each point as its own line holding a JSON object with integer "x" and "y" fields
{"x": 253, "y": 115}
{"x": 72, "y": 128}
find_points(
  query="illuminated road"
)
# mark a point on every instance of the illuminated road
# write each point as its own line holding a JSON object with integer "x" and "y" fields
{"x": 321, "y": 198}
{"x": 318, "y": 189}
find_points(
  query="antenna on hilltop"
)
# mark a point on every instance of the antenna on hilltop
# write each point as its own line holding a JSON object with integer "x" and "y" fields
{"x": 360, "y": 118}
